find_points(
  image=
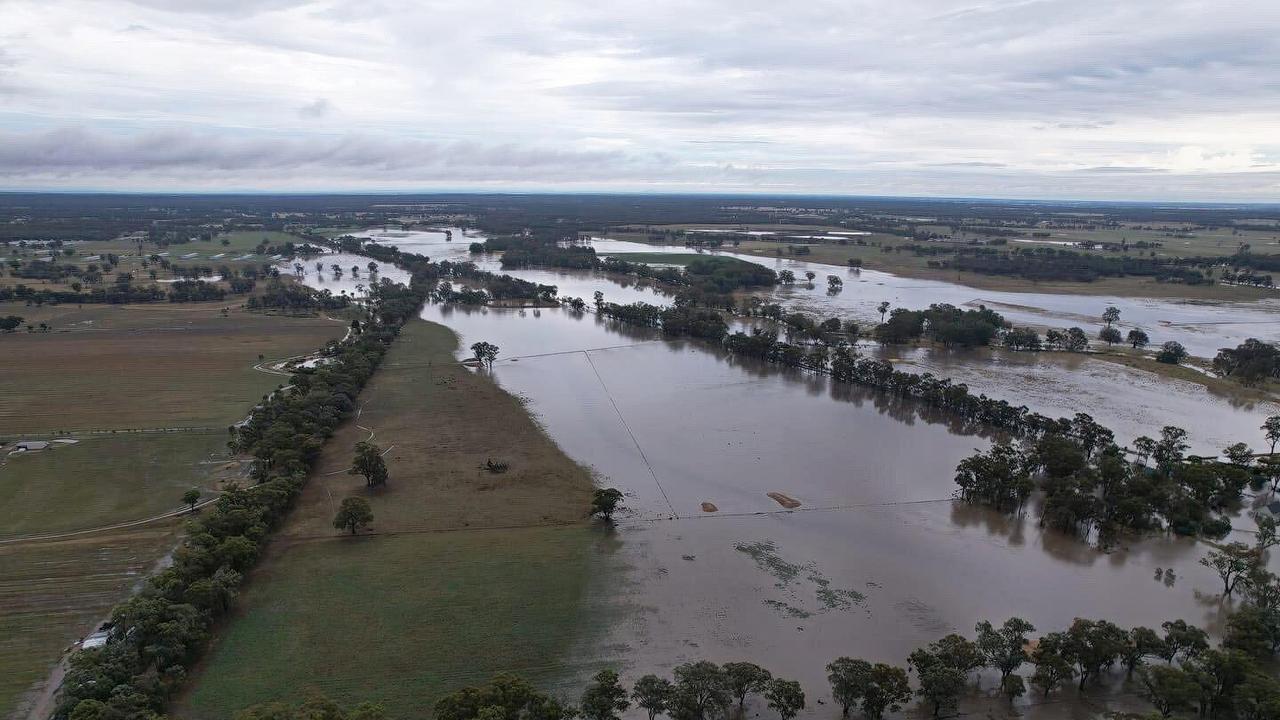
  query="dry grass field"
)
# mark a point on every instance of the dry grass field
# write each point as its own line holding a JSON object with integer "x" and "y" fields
{"x": 114, "y": 367}
{"x": 54, "y": 592}
{"x": 473, "y": 571}
{"x": 119, "y": 380}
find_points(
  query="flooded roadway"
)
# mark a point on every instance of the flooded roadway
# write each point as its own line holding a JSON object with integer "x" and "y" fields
{"x": 877, "y": 559}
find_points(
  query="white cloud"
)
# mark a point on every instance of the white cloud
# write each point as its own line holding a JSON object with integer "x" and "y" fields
{"x": 1024, "y": 97}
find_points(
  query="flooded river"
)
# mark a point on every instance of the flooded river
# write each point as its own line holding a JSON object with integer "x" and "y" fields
{"x": 1201, "y": 326}
{"x": 877, "y": 559}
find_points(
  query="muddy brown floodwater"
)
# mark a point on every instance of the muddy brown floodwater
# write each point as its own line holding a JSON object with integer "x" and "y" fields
{"x": 1202, "y": 326}
{"x": 877, "y": 559}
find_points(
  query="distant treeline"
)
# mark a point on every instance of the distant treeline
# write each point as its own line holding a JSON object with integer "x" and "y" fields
{"x": 1047, "y": 263}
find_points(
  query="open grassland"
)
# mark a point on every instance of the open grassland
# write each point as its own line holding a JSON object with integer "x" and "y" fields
{"x": 100, "y": 372}
{"x": 472, "y": 572}
{"x": 144, "y": 366}
{"x": 103, "y": 479}
{"x": 401, "y": 619}
{"x": 907, "y": 264}
{"x": 440, "y": 423}
{"x": 54, "y": 592}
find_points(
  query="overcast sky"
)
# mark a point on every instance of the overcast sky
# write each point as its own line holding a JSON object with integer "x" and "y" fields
{"x": 1120, "y": 99}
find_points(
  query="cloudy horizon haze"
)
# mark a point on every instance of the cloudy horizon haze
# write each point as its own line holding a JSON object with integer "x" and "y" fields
{"x": 1170, "y": 100}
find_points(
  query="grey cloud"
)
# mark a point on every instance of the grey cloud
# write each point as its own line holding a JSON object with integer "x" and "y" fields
{"x": 1125, "y": 169}
{"x": 1085, "y": 125}
{"x": 221, "y": 7}
{"x": 75, "y": 151}
{"x": 839, "y": 95}
{"x": 318, "y": 108}
{"x": 968, "y": 164}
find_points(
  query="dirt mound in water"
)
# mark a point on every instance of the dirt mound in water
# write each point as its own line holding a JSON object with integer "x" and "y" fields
{"x": 785, "y": 501}
{"x": 709, "y": 507}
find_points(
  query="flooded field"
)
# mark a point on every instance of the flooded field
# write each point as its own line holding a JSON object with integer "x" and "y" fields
{"x": 1202, "y": 327}
{"x": 877, "y": 559}
{"x": 1132, "y": 402}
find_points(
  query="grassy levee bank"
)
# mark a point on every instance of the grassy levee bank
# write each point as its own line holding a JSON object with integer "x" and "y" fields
{"x": 467, "y": 572}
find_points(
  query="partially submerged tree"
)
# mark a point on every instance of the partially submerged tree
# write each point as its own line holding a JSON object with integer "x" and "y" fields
{"x": 701, "y": 690}
{"x": 877, "y": 687}
{"x": 1168, "y": 688}
{"x": 1111, "y": 315}
{"x": 485, "y": 352}
{"x": 1182, "y": 638}
{"x": 1232, "y": 562}
{"x": 785, "y": 698}
{"x": 1052, "y": 666}
{"x": 1003, "y": 648}
{"x": 652, "y": 693}
{"x": 941, "y": 687}
{"x": 1271, "y": 431}
{"x": 746, "y": 678}
{"x": 605, "y": 501}
{"x": 604, "y": 698}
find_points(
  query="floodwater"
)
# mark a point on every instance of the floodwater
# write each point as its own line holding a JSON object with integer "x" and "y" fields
{"x": 1202, "y": 327}
{"x": 877, "y": 559}
{"x": 1131, "y": 402}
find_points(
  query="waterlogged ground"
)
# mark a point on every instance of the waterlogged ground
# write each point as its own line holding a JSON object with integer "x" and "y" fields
{"x": 1130, "y": 401}
{"x": 1133, "y": 402}
{"x": 876, "y": 559}
{"x": 1202, "y": 327}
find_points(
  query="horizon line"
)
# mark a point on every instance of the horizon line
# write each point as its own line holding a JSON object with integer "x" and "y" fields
{"x": 641, "y": 193}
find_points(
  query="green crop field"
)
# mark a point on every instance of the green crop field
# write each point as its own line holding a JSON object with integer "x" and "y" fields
{"x": 452, "y": 609}
{"x": 103, "y": 480}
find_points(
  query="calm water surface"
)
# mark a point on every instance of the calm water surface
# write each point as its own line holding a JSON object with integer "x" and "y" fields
{"x": 877, "y": 560}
